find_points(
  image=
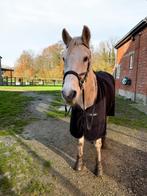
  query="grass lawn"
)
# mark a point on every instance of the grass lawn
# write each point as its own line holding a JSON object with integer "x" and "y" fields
{"x": 30, "y": 88}
{"x": 21, "y": 172}
{"x": 127, "y": 115}
{"x": 12, "y": 107}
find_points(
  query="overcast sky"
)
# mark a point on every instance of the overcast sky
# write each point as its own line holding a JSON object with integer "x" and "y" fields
{"x": 35, "y": 24}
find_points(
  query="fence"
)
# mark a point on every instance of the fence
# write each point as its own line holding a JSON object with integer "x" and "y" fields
{"x": 21, "y": 81}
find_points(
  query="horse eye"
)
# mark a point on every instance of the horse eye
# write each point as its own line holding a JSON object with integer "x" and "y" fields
{"x": 85, "y": 59}
{"x": 63, "y": 59}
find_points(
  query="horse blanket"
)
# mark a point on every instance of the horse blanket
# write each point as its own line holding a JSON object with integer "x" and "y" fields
{"x": 92, "y": 122}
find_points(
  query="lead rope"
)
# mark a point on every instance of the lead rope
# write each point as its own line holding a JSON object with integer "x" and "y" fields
{"x": 67, "y": 111}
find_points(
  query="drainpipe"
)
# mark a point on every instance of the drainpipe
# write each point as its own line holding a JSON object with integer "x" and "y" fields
{"x": 0, "y": 71}
{"x": 137, "y": 50}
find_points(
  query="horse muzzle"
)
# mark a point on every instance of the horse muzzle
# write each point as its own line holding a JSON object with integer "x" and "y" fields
{"x": 70, "y": 96}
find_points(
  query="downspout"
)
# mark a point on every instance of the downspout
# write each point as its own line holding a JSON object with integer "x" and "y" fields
{"x": 137, "y": 48}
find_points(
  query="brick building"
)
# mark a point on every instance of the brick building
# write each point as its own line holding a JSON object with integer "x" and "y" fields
{"x": 131, "y": 63}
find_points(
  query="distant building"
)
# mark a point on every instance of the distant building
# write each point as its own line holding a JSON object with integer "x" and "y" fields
{"x": 131, "y": 64}
{"x": 5, "y": 71}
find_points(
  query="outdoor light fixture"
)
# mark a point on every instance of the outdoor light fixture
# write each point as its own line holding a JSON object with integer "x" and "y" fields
{"x": 126, "y": 81}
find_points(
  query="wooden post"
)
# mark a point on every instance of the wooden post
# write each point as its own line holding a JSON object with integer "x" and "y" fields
{"x": 2, "y": 81}
{"x": 7, "y": 80}
{"x": 11, "y": 77}
{"x": 15, "y": 81}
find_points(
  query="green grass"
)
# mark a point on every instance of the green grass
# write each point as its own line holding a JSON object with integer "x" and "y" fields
{"x": 37, "y": 188}
{"x": 21, "y": 171}
{"x": 30, "y": 88}
{"x": 5, "y": 132}
{"x": 127, "y": 115}
{"x": 12, "y": 108}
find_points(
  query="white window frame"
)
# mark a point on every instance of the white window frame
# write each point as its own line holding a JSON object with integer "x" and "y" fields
{"x": 118, "y": 71}
{"x": 131, "y": 61}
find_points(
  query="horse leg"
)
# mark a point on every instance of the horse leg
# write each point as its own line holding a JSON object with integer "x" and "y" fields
{"x": 104, "y": 141}
{"x": 79, "y": 162}
{"x": 98, "y": 168}
{"x": 104, "y": 144}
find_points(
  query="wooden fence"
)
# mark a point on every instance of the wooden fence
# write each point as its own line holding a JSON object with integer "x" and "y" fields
{"x": 21, "y": 81}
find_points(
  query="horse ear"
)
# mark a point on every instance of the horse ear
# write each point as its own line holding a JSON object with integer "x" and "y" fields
{"x": 86, "y": 35}
{"x": 66, "y": 37}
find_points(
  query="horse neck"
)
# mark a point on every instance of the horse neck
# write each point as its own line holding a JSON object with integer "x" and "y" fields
{"x": 90, "y": 90}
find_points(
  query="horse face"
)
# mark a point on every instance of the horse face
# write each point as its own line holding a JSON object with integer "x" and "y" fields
{"x": 76, "y": 58}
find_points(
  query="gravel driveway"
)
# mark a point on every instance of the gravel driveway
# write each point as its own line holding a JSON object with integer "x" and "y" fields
{"x": 124, "y": 160}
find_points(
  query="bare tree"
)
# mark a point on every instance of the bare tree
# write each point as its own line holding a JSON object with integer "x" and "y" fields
{"x": 104, "y": 56}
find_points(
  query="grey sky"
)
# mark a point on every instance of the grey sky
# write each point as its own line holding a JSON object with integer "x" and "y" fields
{"x": 35, "y": 24}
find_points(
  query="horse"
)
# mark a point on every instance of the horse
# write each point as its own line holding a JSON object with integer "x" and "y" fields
{"x": 90, "y": 94}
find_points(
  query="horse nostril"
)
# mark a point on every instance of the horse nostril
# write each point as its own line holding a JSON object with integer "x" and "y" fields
{"x": 73, "y": 94}
{"x": 70, "y": 96}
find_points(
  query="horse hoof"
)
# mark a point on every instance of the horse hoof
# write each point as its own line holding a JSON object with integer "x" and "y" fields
{"x": 79, "y": 164}
{"x": 98, "y": 173}
{"x": 98, "y": 170}
{"x": 78, "y": 167}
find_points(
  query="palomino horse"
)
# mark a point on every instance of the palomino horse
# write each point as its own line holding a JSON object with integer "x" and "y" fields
{"x": 91, "y": 95}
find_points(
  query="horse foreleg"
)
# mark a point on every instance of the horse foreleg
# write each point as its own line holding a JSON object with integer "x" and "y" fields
{"x": 98, "y": 169}
{"x": 104, "y": 143}
{"x": 79, "y": 162}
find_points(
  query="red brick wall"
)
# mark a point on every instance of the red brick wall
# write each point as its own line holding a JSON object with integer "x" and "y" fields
{"x": 138, "y": 47}
{"x": 142, "y": 64}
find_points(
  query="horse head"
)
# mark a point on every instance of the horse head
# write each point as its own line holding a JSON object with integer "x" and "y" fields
{"x": 77, "y": 58}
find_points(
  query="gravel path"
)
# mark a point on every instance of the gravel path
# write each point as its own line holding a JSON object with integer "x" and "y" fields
{"x": 124, "y": 160}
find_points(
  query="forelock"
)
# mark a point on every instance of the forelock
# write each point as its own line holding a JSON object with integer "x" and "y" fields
{"x": 76, "y": 41}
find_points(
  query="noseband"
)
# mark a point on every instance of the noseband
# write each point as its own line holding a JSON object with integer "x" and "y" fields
{"x": 81, "y": 80}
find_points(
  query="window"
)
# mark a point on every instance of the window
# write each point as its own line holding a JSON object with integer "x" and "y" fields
{"x": 118, "y": 71}
{"x": 131, "y": 62}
